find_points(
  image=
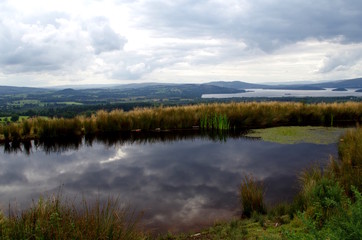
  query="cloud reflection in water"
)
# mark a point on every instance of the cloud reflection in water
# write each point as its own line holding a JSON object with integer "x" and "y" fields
{"x": 183, "y": 184}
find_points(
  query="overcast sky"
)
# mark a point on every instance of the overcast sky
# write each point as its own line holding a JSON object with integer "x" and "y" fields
{"x": 48, "y": 43}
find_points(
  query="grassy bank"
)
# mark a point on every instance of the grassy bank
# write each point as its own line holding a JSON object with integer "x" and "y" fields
{"x": 206, "y": 116}
{"x": 55, "y": 218}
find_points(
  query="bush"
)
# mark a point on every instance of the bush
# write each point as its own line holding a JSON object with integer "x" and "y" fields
{"x": 346, "y": 223}
{"x": 326, "y": 199}
{"x": 14, "y": 118}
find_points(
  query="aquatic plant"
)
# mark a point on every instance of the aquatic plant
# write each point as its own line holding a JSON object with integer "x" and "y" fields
{"x": 215, "y": 122}
{"x": 293, "y": 135}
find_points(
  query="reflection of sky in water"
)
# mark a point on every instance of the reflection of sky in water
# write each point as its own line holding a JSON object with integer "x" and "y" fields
{"x": 181, "y": 184}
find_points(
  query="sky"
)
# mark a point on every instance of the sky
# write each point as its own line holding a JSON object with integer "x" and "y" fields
{"x": 73, "y": 42}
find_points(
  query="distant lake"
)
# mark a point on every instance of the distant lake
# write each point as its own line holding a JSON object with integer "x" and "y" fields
{"x": 287, "y": 93}
{"x": 182, "y": 181}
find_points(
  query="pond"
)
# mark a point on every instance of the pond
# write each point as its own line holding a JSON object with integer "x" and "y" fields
{"x": 182, "y": 181}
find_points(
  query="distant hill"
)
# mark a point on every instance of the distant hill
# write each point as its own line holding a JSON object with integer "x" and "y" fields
{"x": 294, "y": 87}
{"x": 177, "y": 91}
{"x": 5, "y": 90}
{"x": 245, "y": 85}
{"x": 237, "y": 85}
{"x": 350, "y": 83}
{"x": 147, "y": 91}
{"x": 67, "y": 91}
{"x": 169, "y": 90}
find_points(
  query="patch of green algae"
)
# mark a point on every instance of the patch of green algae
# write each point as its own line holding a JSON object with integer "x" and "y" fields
{"x": 293, "y": 135}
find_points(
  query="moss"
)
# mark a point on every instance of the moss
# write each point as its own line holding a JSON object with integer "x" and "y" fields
{"x": 293, "y": 135}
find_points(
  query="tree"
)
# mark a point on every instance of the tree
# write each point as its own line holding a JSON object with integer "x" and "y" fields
{"x": 14, "y": 118}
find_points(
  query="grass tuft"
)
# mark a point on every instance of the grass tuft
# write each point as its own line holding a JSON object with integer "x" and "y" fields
{"x": 251, "y": 194}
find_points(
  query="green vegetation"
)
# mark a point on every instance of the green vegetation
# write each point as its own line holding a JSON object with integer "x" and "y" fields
{"x": 209, "y": 116}
{"x": 13, "y": 118}
{"x": 220, "y": 122}
{"x": 55, "y": 218}
{"x": 70, "y": 103}
{"x": 293, "y": 135}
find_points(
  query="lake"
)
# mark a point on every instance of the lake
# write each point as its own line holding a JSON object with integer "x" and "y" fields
{"x": 182, "y": 181}
{"x": 270, "y": 93}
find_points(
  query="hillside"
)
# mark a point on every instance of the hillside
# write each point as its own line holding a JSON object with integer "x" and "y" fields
{"x": 10, "y": 90}
{"x": 350, "y": 83}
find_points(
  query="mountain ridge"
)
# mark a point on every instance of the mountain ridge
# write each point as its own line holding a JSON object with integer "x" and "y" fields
{"x": 236, "y": 85}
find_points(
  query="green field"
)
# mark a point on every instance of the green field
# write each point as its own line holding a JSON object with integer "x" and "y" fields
{"x": 8, "y": 119}
{"x": 21, "y": 103}
{"x": 70, "y": 103}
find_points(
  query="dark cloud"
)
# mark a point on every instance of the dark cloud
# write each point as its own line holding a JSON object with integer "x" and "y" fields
{"x": 264, "y": 24}
{"x": 177, "y": 40}
{"x": 9, "y": 178}
{"x": 103, "y": 37}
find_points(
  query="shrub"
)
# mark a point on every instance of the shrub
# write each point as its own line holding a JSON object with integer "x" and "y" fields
{"x": 325, "y": 200}
{"x": 348, "y": 224}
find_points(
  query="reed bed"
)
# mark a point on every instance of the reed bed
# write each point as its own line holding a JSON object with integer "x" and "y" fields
{"x": 208, "y": 116}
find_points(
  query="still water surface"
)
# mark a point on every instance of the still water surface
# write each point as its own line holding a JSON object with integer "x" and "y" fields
{"x": 271, "y": 93}
{"x": 181, "y": 181}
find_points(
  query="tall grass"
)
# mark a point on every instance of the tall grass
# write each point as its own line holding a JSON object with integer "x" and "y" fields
{"x": 207, "y": 116}
{"x": 56, "y": 218}
{"x": 349, "y": 168}
{"x": 251, "y": 195}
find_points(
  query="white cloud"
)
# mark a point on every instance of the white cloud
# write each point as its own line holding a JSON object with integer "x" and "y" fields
{"x": 39, "y": 48}
{"x": 342, "y": 59}
{"x": 58, "y": 42}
